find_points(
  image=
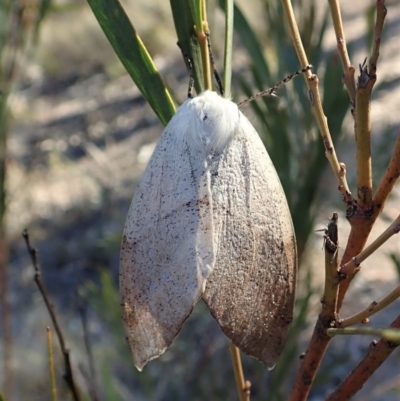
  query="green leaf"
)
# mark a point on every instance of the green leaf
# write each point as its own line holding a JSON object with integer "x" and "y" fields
{"x": 195, "y": 8}
{"x": 134, "y": 56}
{"x": 250, "y": 42}
{"x": 229, "y": 15}
{"x": 184, "y": 26}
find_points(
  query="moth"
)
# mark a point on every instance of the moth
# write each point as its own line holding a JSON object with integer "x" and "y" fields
{"x": 209, "y": 220}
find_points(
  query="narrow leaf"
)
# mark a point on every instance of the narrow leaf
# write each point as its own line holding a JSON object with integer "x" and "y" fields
{"x": 134, "y": 56}
{"x": 229, "y": 13}
{"x": 184, "y": 26}
{"x": 250, "y": 41}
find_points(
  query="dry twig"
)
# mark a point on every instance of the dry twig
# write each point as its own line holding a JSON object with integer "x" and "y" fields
{"x": 68, "y": 375}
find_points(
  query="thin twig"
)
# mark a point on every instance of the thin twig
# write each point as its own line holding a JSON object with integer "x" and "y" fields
{"x": 378, "y": 352}
{"x": 51, "y": 365}
{"x": 68, "y": 376}
{"x": 381, "y": 12}
{"x": 390, "y": 334}
{"x": 372, "y": 309}
{"x": 390, "y": 177}
{"x": 339, "y": 169}
{"x": 295, "y": 34}
{"x": 316, "y": 103}
{"x": 348, "y": 69}
{"x": 243, "y": 387}
{"x": 353, "y": 265}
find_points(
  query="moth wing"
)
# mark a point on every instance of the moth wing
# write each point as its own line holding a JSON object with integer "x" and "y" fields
{"x": 167, "y": 241}
{"x": 251, "y": 290}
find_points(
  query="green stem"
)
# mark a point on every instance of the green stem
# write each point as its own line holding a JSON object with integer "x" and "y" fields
{"x": 392, "y": 335}
{"x": 228, "y": 47}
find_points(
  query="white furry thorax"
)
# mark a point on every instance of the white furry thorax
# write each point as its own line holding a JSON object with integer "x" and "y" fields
{"x": 211, "y": 121}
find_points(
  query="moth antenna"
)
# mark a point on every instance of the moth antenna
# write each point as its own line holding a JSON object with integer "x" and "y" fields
{"x": 189, "y": 66}
{"x": 215, "y": 72}
{"x": 271, "y": 91}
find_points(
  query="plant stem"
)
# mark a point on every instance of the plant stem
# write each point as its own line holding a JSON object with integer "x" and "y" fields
{"x": 387, "y": 334}
{"x": 320, "y": 339}
{"x": 295, "y": 34}
{"x": 373, "y": 308}
{"x": 339, "y": 169}
{"x": 360, "y": 230}
{"x": 228, "y": 47}
{"x": 329, "y": 299}
{"x": 378, "y": 352}
{"x": 381, "y": 12}
{"x": 201, "y": 29}
{"x": 348, "y": 69}
{"x": 390, "y": 177}
{"x": 68, "y": 374}
{"x": 243, "y": 387}
{"x": 353, "y": 265}
{"x": 51, "y": 365}
{"x": 362, "y": 128}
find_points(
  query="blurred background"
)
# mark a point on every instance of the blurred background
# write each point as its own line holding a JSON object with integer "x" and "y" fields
{"x": 76, "y": 135}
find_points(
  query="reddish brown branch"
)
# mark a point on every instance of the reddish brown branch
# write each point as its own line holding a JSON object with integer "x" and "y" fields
{"x": 320, "y": 339}
{"x": 374, "y": 307}
{"x": 68, "y": 375}
{"x": 361, "y": 214}
{"x": 349, "y": 269}
{"x": 311, "y": 361}
{"x": 361, "y": 222}
{"x": 378, "y": 352}
{"x": 362, "y": 129}
{"x": 389, "y": 179}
